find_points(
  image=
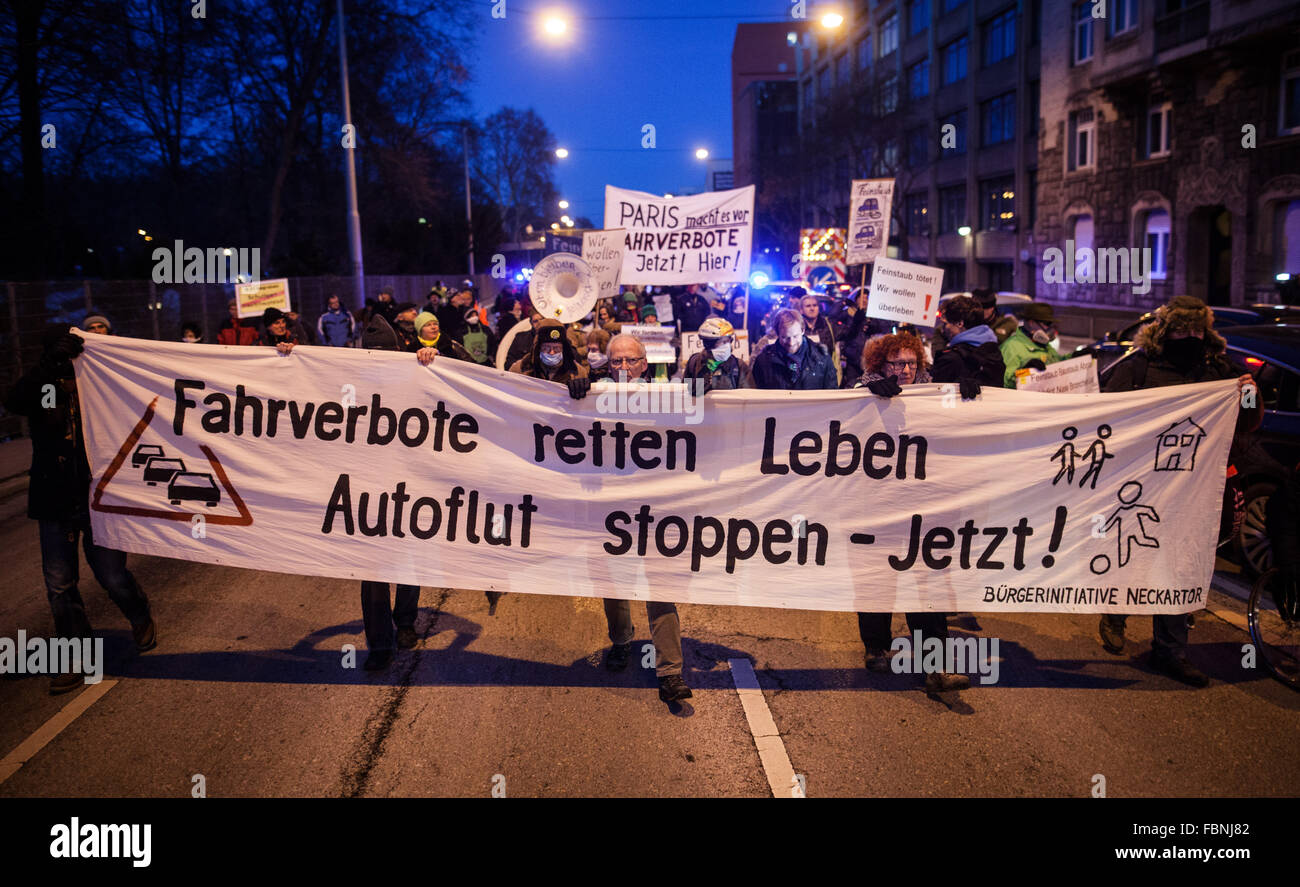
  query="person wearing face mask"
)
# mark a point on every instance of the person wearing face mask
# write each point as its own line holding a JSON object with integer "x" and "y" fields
{"x": 191, "y": 332}
{"x": 478, "y": 340}
{"x": 715, "y": 368}
{"x": 597, "y": 355}
{"x": 1032, "y": 342}
{"x": 552, "y": 357}
{"x": 793, "y": 362}
{"x": 1178, "y": 348}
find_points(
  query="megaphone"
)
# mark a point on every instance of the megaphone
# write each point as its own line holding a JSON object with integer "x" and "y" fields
{"x": 563, "y": 287}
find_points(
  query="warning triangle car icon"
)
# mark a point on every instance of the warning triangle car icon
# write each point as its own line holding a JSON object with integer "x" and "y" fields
{"x": 180, "y": 490}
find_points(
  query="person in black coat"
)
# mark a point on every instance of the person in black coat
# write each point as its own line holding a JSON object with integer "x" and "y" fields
{"x": 58, "y": 499}
{"x": 793, "y": 362}
{"x": 972, "y": 357}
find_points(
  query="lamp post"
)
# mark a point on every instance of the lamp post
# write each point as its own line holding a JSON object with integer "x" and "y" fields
{"x": 354, "y": 214}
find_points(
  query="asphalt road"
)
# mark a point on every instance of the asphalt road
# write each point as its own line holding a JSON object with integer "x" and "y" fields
{"x": 247, "y": 688}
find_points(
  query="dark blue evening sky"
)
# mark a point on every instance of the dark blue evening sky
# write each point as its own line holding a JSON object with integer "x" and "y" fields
{"x": 626, "y": 63}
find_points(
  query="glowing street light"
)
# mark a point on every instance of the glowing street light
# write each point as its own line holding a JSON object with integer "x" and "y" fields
{"x": 832, "y": 20}
{"x": 561, "y": 153}
{"x": 701, "y": 153}
{"x": 555, "y": 25}
{"x": 555, "y": 226}
{"x": 964, "y": 230}
{"x": 140, "y": 231}
{"x": 564, "y": 204}
{"x": 568, "y": 222}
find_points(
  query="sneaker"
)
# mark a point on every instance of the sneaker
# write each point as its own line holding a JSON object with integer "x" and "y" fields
{"x": 1112, "y": 635}
{"x": 146, "y": 636}
{"x": 406, "y": 638}
{"x": 877, "y": 660}
{"x": 672, "y": 688}
{"x": 619, "y": 654}
{"x": 943, "y": 682}
{"x": 65, "y": 683}
{"x": 1178, "y": 667}
{"x": 378, "y": 660}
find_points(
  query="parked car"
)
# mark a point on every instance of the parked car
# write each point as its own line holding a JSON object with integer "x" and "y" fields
{"x": 1113, "y": 345}
{"x": 1270, "y": 353}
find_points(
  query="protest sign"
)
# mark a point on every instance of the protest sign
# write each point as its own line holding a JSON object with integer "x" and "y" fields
{"x": 656, "y": 338}
{"x": 663, "y": 308}
{"x": 458, "y": 475}
{"x": 1077, "y": 375}
{"x": 677, "y": 241}
{"x": 691, "y": 343}
{"x": 870, "y": 203}
{"x": 254, "y": 298}
{"x": 603, "y": 252}
{"x": 904, "y": 292}
{"x": 562, "y": 288}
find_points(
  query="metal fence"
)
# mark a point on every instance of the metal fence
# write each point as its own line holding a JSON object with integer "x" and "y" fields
{"x": 145, "y": 310}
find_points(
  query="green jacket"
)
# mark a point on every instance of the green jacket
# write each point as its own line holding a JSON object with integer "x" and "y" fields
{"x": 1018, "y": 350}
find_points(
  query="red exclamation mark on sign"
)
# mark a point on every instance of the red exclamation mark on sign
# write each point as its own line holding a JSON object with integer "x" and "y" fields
{"x": 926, "y": 314}
{"x": 1058, "y": 527}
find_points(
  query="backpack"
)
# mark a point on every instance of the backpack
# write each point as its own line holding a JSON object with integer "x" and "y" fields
{"x": 476, "y": 343}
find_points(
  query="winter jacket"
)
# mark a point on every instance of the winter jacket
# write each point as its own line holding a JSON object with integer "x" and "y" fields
{"x": 809, "y": 368}
{"x": 1018, "y": 350}
{"x": 974, "y": 354}
{"x": 380, "y": 335}
{"x": 335, "y": 328}
{"x": 732, "y": 373}
{"x": 531, "y": 365}
{"x": 691, "y": 310}
{"x": 1004, "y": 326}
{"x": 235, "y": 332}
{"x": 1141, "y": 371}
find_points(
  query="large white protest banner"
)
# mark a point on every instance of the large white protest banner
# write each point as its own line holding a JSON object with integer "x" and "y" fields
{"x": 365, "y": 465}
{"x": 904, "y": 291}
{"x": 870, "y": 203}
{"x": 677, "y": 241}
{"x": 603, "y": 252}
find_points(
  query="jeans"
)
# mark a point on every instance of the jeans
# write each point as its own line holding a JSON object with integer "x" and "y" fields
{"x": 62, "y": 570}
{"x": 379, "y": 614}
{"x": 874, "y": 628}
{"x": 1168, "y": 633}
{"x": 665, "y": 631}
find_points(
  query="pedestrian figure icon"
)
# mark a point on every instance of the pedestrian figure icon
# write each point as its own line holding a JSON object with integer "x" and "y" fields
{"x": 1097, "y": 455}
{"x": 1129, "y": 521}
{"x": 1067, "y": 454}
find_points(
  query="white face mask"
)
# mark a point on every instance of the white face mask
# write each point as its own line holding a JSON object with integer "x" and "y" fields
{"x": 597, "y": 360}
{"x": 552, "y": 359}
{"x": 189, "y": 339}
{"x": 721, "y": 351}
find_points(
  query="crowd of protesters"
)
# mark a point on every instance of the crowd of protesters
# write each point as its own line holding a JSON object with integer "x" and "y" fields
{"x": 797, "y": 345}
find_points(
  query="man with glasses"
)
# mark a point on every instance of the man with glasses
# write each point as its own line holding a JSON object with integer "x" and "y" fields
{"x": 627, "y": 361}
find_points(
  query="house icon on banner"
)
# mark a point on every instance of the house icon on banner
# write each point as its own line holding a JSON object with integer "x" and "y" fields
{"x": 1176, "y": 446}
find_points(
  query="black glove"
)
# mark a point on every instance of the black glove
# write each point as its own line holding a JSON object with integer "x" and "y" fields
{"x": 63, "y": 347}
{"x": 969, "y": 388}
{"x": 1035, "y": 364}
{"x": 578, "y": 387}
{"x": 886, "y": 387}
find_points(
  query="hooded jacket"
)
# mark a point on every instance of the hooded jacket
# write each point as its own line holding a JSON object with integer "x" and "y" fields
{"x": 531, "y": 364}
{"x": 972, "y": 354}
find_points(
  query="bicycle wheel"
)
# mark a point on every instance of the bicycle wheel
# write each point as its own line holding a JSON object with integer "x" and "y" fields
{"x": 1274, "y": 617}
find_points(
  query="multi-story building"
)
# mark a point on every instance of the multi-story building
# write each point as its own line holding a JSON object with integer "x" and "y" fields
{"x": 765, "y": 127}
{"x": 1172, "y": 126}
{"x": 943, "y": 96}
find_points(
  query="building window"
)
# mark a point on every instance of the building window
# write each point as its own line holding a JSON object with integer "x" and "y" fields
{"x": 1032, "y": 120}
{"x": 952, "y": 209}
{"x": 1290, "y": 113}
{"x": 916, "y": 209}
{"x": 1122, "y": 17}
{"x": 1157, "y": 240}
{"x": 953, "y": 60}
{"x": 1158, "y": 132}
{"x": 998, "y": 119}
{"x": 997, "y": 275}
{"x": 918, "y": 79}
{"x": 889, "y": 158}
{"x": 998, "y": 203}
{"x": 1083, "y": 134}
{"x": 1082, "y": 236}
{"x": 888, "y": 35}
{"x": 1082, "y": 33}
{"x": 1000, "y": 37}
{"x": 1035, "y": 22}
{"x": 955, "y": 137}
{"x": 918, "y": 147}
{"x": 954, "y": 276}
{"x": 864, "y": 54}
{"x": 888, "y": 95}
{"x": 918, "y": 16}
{"x": 1287, "y": 239}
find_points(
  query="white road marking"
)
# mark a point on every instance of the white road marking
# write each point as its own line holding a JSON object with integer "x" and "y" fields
{"x": 1230, "y": 617}
{"x": 767, "y": 738}
{"x": 27, "y": 750}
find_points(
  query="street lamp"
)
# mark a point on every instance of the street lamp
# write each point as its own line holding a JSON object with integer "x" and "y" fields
{"x": 568, "y": 222}
{"x": 554, "y": 25}
{"x": 140, "y": 231}
{"x": 564, "y": 204}
{"x": 832, "y": 20}
{"x": 964, "y": 230}
{"x": 561, "y": 153}
{"x": 555, "y": 226}
{"x": 701, "y": 153}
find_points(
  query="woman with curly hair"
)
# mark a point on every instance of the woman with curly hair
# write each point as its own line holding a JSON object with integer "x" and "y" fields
{"x": 889, "y": 362}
